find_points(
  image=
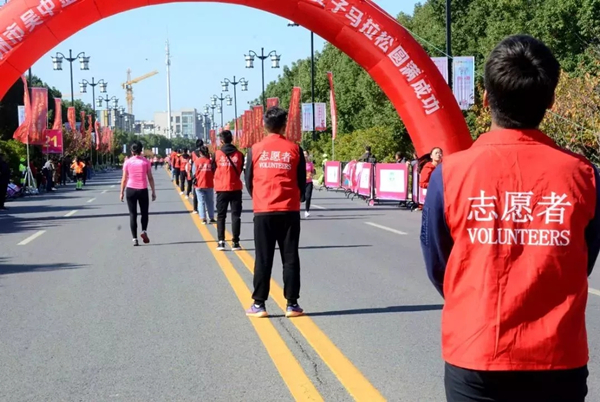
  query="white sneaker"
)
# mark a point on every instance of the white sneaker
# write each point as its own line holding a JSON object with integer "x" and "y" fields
{"x": 181, "y": 193}
{"x": 221, "y": 246}
{"x": 306, "y": 214}
{"x": 187, "y": 197}
{"x": 194, "y": 212}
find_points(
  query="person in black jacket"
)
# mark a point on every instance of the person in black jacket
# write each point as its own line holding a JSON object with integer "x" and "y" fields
{"x": 4, "y": 180}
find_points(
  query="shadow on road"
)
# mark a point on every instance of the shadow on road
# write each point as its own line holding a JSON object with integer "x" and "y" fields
{"x": 392, "y": 309}
{"x": 6, "y": 269}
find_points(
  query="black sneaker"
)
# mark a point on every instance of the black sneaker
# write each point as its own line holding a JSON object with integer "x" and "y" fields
{"x": 213, "y": 222}
{"x": 236, "y": 246}
{"x": 221, "y": 246}
{"x": 135, "y": 242}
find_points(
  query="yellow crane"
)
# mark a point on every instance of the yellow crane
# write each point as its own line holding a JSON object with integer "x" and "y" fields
{"x": 128, "y": 87}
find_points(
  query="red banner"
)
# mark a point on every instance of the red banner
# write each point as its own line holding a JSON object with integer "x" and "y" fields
{"x": 71, "y": 119}
{"x": 53, "y": 140}
{"x": 97, "y": 130}
{"x": 39, "y": 115}
{"x": 89, "y": 127}
{"x": 22, "y": 132}
{"x": 293, "y": 131}
{"x": 248, "y": 129}
{"x": 272, "y": 102}
{"x": 82, "y": 125}
{"x": 332, "y": 105}
{"x": 259, "y": 125}
{"x": 57, "y": 114}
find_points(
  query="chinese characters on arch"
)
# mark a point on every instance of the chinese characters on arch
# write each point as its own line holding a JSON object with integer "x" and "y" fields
{"x": 533, "y": 223}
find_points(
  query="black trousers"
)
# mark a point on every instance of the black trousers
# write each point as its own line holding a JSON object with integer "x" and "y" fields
{"x": 3, "y": 191}
{"x": 84, "y": 178}
{"x": 135, "y": 197}
{"x": 195, "y": 200}
{"x": 464, "y": 385}
{"x": 188, "y": 189}
{"x": 283, "y": 229}
{"x": 177, "y": 172}
{"x": 308, "y": 195}
{"x": 182, "y": 180}
{"x": 224, "y": 199}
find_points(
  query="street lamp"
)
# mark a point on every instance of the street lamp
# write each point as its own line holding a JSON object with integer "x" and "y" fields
{"x": 115, "y": 102}
{"x": 216, "y": 98}
{"x": 275, "y": 59}
{"x": 83, "y": 89}
{"x": 225, "y": 86}
{"x": 213, "y": 106}
{"x": 312, "y": 78}
{"x": 84, "y": 64}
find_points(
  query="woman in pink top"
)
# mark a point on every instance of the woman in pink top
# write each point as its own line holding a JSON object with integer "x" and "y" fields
{"x": 137, "y": 173}
{"x": 310, "y": 172}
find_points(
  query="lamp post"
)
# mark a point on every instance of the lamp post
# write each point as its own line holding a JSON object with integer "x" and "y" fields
{"x": 449, "y": 40}
{"x": 213, "y": 106}
{"x": 205, "y": 125}
{"x": 83, "y": 89}
{"x": 275, "y": 59}
{"x": 225, "y": 87}
{"x": 312, "y": 78}
{"x": 115, "y": 102}
{"x": 216, "y": 98}
{"x": 84, "y": 64}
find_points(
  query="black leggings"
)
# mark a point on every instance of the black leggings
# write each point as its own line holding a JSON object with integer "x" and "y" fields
{"x": 308, "y": 195}
{"x": 135, "y": 196}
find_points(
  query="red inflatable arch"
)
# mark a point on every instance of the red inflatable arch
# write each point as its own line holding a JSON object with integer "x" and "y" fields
{"x": 360, "y": 28}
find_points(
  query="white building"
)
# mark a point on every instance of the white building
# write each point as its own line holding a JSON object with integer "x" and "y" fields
{"x": 187, "y": 123}
{"x": 146, "y": 127}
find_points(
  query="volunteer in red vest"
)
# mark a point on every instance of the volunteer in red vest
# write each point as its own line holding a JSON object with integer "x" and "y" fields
{"x": 228, "y": 185}
{"x": 276, "y": 180}
{"x": 175, "y": 159}
{"x": 510, "y": 234}
{"x": 204, "y": 186}
{"x": 183, "y": 160}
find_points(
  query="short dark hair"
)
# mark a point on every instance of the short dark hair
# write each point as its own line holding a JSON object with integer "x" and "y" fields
{"x": 199, "y": 142}
{"x": 203, "y": 151}
{"x": 275, "y": 119}
{"x": 226, "y": 136}
{"x": 136, "y": 148}
{"x": 521, "y": 75}
{"x": 368, "y": 148}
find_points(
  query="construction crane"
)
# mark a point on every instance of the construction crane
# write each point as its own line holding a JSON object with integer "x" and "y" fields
{"x": 128, "y": 87}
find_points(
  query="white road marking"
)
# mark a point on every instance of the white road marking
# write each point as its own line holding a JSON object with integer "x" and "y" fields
{"x": 113, "y": 186}
{"x": 104, "y": 192}
{"x": 91, "y": 200}
{"x": 594, "y": 291}
{"x": 73, "y": 212}
{"x": 317, "y": 206}
{"x": 32, "y": 238}
{"x": 385, "y": 228}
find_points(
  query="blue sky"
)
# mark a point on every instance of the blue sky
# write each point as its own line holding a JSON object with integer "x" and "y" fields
{"x": 208, "y": 43}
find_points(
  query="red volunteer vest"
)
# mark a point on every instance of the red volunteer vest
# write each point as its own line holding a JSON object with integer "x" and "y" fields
{"x": 517, "y": 207}
{"x": 204, "y": 173}
{"x": 226, "y": 177}
{"x": 275, "y": 175}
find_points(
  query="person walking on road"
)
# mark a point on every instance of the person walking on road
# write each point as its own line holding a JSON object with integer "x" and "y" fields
{"x": 176, "y": 160}
{"x": 228, "y": 185}
{"x": 510, "y": 234}
{"x": 137, "y": 173}
{"x": 204, "y": 186}
{"x": 4, "y": 180}
{"x": 78, "y": 167}
{"x": 155, "y": 161}
{"x": 310, "y": 172}
{"x": 276, "y": 180}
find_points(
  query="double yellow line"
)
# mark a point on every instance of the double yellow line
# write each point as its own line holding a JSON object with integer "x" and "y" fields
{"x": 294, "y": 376}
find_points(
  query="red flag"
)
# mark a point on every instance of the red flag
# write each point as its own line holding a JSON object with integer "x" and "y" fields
{"x": 333, "y": 106}
{"x": 258, "y": 124}
{"x": 88, "y": 132}
{"x": 293, "y": 130}
{"x": 248, "y": 128}
{"x": 97, "y": 130}
{"x": 272, "y": 102}
{"x": 22, "y": 132}
{"x": 82, "y": 125}
{"x": 39, "y": 115}
{"x": 71, "y": 118}
{"x": 57, "y": 114}
{"x": 213, "y": 137}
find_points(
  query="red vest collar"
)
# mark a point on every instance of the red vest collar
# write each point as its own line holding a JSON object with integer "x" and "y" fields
{"x": 513, "y": 136}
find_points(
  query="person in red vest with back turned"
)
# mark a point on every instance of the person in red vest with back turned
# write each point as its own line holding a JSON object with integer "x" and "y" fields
{"x": 510, "y": 234}
{"x": 276, "y": 180}
{"x": 228, "y": 185}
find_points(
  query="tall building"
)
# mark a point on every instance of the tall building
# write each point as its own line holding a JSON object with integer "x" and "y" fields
{"x": 147, "y": 127}
{"x": 187, "y": 123}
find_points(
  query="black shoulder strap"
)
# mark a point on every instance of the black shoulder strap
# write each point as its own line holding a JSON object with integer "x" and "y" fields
{"x": 232, "y": 164}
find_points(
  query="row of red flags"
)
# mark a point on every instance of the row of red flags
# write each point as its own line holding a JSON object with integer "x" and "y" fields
{"x": 34, "y": 127}
{"x": 250, "y": 125}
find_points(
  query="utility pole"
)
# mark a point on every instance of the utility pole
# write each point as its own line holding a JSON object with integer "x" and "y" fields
{"x": 168, "y": 62}
{"x": 449, "y": 39}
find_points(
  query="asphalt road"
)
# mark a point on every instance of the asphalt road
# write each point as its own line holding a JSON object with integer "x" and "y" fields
{"x": 87, "y": 317}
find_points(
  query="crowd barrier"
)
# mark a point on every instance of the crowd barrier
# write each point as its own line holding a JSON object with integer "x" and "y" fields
{"x": 376, "y": 183}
